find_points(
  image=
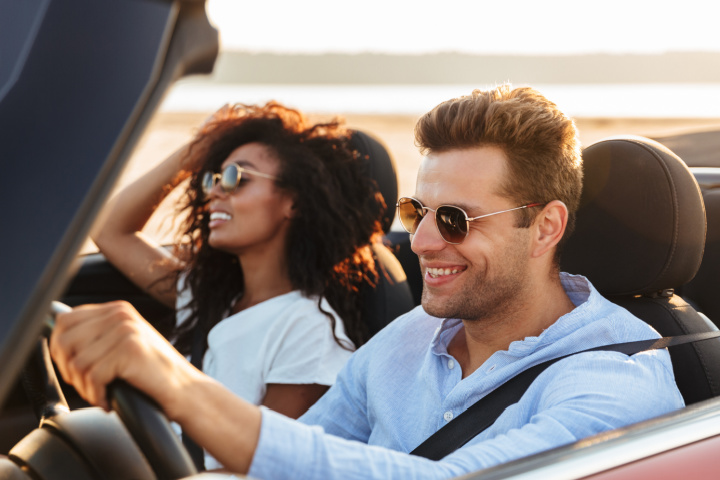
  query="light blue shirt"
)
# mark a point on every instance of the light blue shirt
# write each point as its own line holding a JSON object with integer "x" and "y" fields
{"x": 402, "y": 386}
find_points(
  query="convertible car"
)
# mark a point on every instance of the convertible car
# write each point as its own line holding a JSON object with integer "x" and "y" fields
{"x": 79, "y": 80}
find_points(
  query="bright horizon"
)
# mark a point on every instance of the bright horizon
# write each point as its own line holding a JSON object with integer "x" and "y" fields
{"x": 475, "y": 26}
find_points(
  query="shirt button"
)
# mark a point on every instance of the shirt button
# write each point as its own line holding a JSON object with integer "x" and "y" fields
{"x": 451, "y": 364}
{"x": 448, "y": 416}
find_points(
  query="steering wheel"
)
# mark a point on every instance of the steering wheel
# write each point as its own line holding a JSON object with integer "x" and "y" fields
{"x": 143, "y": 418}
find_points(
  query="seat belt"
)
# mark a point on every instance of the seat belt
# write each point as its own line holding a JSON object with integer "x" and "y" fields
{"x": 483, "y": 413}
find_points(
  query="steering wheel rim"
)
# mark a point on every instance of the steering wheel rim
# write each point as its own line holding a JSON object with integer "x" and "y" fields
{"x": 151, "y": 430}
{"x": 141, "y": 415}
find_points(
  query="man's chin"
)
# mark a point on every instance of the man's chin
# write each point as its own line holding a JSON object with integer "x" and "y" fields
{"x": 435, "y": 307}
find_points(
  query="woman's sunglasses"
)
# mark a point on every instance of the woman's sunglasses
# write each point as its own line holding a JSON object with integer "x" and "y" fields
{"x": 452, "y": 222}
{"x": 229, "y": 178}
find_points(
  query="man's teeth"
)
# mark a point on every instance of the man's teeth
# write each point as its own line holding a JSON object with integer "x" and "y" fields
{"x": 219, "y": 216}
{"x": 439, "y": 272}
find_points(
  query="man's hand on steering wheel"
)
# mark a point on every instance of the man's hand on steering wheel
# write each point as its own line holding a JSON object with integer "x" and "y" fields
{"x": 95, "y": 344}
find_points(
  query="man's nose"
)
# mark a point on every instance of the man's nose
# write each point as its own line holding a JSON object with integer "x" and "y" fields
{"x": 427, "y": 238}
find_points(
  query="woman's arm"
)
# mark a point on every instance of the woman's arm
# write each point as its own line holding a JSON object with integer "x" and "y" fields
{"x": 292, "y": 400}
{"x": 120, "y": 239}
{"x": 119, "y": 235}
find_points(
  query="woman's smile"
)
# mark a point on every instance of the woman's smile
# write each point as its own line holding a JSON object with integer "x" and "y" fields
{"x": 218, "y": 218}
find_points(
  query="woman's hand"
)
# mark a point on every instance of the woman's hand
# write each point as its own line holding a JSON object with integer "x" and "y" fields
{"x": 94, "y": 344}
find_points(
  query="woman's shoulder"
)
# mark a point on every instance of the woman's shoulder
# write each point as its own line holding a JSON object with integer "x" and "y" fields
{"x": 295, "y": 305}
{"x": 279, "y": 312}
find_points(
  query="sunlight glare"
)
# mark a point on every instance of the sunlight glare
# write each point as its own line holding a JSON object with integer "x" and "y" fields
{"x": 474, "y": 26}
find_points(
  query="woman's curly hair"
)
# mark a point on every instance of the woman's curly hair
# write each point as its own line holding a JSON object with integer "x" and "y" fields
{"x": 337, "y": 213}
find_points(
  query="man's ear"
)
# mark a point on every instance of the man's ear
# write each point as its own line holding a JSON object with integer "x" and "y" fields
{"x": 549, "y": 227}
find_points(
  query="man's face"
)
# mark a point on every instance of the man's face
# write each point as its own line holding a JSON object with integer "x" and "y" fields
{"x": 490, "y": 266}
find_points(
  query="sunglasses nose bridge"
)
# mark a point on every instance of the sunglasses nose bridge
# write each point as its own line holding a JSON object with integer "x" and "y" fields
{"x": 432, "y": 239}
{"x": 216, "y": 189}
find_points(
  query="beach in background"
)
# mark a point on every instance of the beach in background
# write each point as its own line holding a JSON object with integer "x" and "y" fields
{"x": 170, "y": 129}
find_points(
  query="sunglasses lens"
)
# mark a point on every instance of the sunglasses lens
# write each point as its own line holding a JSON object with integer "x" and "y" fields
{"x": 230, "y": 178}
{"x": 409, "y": 213}
{"x": 452, "y": 224}
{"x": 208, "y": 182}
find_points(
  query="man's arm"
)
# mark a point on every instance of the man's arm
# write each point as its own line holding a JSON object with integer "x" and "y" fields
{"x": 575, "y": 398}
{"x": 94, "y": 344}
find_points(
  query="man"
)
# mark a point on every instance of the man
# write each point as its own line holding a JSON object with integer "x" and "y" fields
{"x": 496, "y": 194}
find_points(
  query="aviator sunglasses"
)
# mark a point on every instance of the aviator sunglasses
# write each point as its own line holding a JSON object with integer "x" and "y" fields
{"x": 452, "y": 222}
{"x": 229, "y": 178}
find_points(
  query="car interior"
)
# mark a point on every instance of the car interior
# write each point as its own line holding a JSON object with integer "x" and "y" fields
{"x": 639, "y": 242}
{"x": 647, "y": 233}
{"x": 701, "y": 290}
{"x": 640, "y": 235}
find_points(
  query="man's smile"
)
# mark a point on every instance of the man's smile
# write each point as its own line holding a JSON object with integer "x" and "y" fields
{"x": 441, "y": 272}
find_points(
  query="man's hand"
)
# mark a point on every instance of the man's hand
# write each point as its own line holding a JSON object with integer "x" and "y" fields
{"x": 94, "y": 344}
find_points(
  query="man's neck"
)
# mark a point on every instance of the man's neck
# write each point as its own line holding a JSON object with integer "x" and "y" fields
{"x": 480, "y": 339}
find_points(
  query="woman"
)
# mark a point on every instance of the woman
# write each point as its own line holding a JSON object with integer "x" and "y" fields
{"x": 272, "y": 252}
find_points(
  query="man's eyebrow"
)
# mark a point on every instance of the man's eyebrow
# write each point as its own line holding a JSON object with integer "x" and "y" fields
{"x": 465, "y": 206}
{"x": 469, "y": 209}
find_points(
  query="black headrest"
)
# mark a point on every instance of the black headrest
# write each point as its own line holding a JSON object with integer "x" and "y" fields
{"x": 381, "y": 168}
{"x": 641, "y": 224}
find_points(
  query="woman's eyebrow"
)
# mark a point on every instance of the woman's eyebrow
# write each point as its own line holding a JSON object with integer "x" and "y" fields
{"x": 241, "y": 163}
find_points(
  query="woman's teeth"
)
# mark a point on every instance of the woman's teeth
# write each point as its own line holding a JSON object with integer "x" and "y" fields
{"x": 439, "y": 272}
{"x": 219, "y": 216}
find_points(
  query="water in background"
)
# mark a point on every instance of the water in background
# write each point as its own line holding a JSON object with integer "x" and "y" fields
{"x": 586, "y": 100}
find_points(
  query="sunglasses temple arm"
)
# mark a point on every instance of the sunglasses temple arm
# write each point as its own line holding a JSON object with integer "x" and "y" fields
{"x": 266, "y": 175}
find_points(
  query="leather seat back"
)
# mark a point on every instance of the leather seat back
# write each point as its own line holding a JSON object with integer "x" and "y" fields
{"x": 640, "y": 235}
{"x": 391, "y": 297}
{"x": 702, "y": 291}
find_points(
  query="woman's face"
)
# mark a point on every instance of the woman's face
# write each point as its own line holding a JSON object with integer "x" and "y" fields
{"x": 256, "y": 216}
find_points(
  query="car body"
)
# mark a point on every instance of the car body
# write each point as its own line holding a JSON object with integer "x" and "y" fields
{"x": 64, "y": 138}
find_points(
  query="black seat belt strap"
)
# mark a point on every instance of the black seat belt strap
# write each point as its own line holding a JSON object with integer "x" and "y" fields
{"x": 485, "y": 411}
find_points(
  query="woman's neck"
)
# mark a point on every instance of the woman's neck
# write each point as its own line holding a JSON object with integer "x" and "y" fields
{"x": 264, "y": 277}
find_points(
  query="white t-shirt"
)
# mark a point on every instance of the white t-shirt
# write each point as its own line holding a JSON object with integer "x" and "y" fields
{"x": 285, "y": 339}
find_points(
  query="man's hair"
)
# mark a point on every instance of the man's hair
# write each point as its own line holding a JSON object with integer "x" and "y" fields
{"x": 540, "y": 142}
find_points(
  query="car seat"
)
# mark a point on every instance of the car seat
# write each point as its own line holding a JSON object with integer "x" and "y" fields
{"x": 391, "y": 297}
{"x": 701, "y": 291}
{"x": 400, "y": 244}
{"x": 639, "y": 235}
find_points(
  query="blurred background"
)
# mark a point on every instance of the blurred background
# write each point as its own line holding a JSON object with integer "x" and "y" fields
{"x": 650, "y": 68}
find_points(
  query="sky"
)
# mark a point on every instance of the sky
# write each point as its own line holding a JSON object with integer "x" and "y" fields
{"x": 475, "y": 26}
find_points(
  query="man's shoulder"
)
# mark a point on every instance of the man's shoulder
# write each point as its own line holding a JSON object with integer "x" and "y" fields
{"x": 603, "y": 323}
{"x": 621, "y": 324}
{"x": 599, "y": 320}
{"x": 600, "y": 372}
